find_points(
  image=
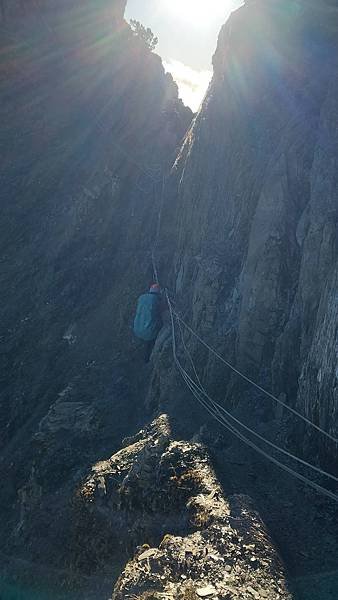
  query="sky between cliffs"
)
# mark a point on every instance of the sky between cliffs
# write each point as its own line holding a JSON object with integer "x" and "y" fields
{"x": 187, "y": 32}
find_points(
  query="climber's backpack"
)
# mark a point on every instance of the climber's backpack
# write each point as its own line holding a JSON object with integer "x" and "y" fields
{"x": 147, "y": 322}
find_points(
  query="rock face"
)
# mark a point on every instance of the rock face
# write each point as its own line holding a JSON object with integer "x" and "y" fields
{"x": 155, "y": 485}
{"x": 91, "y": 126}
{"x": 89, "y": 121}
{"x": 255, "y": 226}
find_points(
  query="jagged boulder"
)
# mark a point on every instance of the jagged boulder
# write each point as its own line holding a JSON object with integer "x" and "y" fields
{"x": 159, "y": 499}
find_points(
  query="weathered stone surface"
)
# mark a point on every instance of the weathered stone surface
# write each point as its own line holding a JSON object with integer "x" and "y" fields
{"x": 222, "y": 550}
{"x": 160, "y": 499}
{"x": 248, "y": 247}
{"x": 89, "y": 120}
{"x": 256, "y": 216}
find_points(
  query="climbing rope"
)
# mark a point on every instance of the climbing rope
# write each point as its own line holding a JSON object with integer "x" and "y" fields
{"x": 248, "y": 429}
{"x": 213, "y": 351}
{"x": 213, "y": 409}
{"x": 219, "y": 413}
{"x": 310, "y": 423}
{"x": 158, "y": 229}
{"x": 256, "y": 385}
{"x": 195, "y": 390}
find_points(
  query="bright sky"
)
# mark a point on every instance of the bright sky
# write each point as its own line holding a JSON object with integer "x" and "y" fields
{"x": 187, "y": 32}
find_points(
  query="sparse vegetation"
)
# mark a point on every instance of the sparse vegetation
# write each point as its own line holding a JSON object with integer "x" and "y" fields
{"x": 144, "y": 33}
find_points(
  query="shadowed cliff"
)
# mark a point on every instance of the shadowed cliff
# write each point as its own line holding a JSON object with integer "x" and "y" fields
{"x": 89, "y": 121}
{"x": 248, "y": 247}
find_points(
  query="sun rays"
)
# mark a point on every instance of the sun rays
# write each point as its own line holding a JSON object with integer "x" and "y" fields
{"x": 198, "y": 12}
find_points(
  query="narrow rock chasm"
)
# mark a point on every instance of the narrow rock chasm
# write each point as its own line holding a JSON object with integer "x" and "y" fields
{"x": 96, "y": 145}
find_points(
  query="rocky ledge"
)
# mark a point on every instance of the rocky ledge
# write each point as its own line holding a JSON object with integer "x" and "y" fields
{"x": 159, "y": 500}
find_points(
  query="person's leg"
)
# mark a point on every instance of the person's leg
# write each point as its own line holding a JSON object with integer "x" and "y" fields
{"x": 148, "y": 348}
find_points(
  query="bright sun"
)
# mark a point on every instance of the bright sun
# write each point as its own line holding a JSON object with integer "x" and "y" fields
{"x": 199, "y": 12}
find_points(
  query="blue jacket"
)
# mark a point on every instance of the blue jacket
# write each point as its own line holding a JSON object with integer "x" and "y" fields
{"x": 148, "y": 320}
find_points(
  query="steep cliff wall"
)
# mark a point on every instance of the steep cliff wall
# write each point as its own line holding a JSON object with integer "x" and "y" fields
{"x": 89, "y": 122}
{"x": 248, "y": 244}
{"x": 255, "y": 228}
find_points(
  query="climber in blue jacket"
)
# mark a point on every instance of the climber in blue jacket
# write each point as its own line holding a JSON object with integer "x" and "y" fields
{"x": 148, "y": 318}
